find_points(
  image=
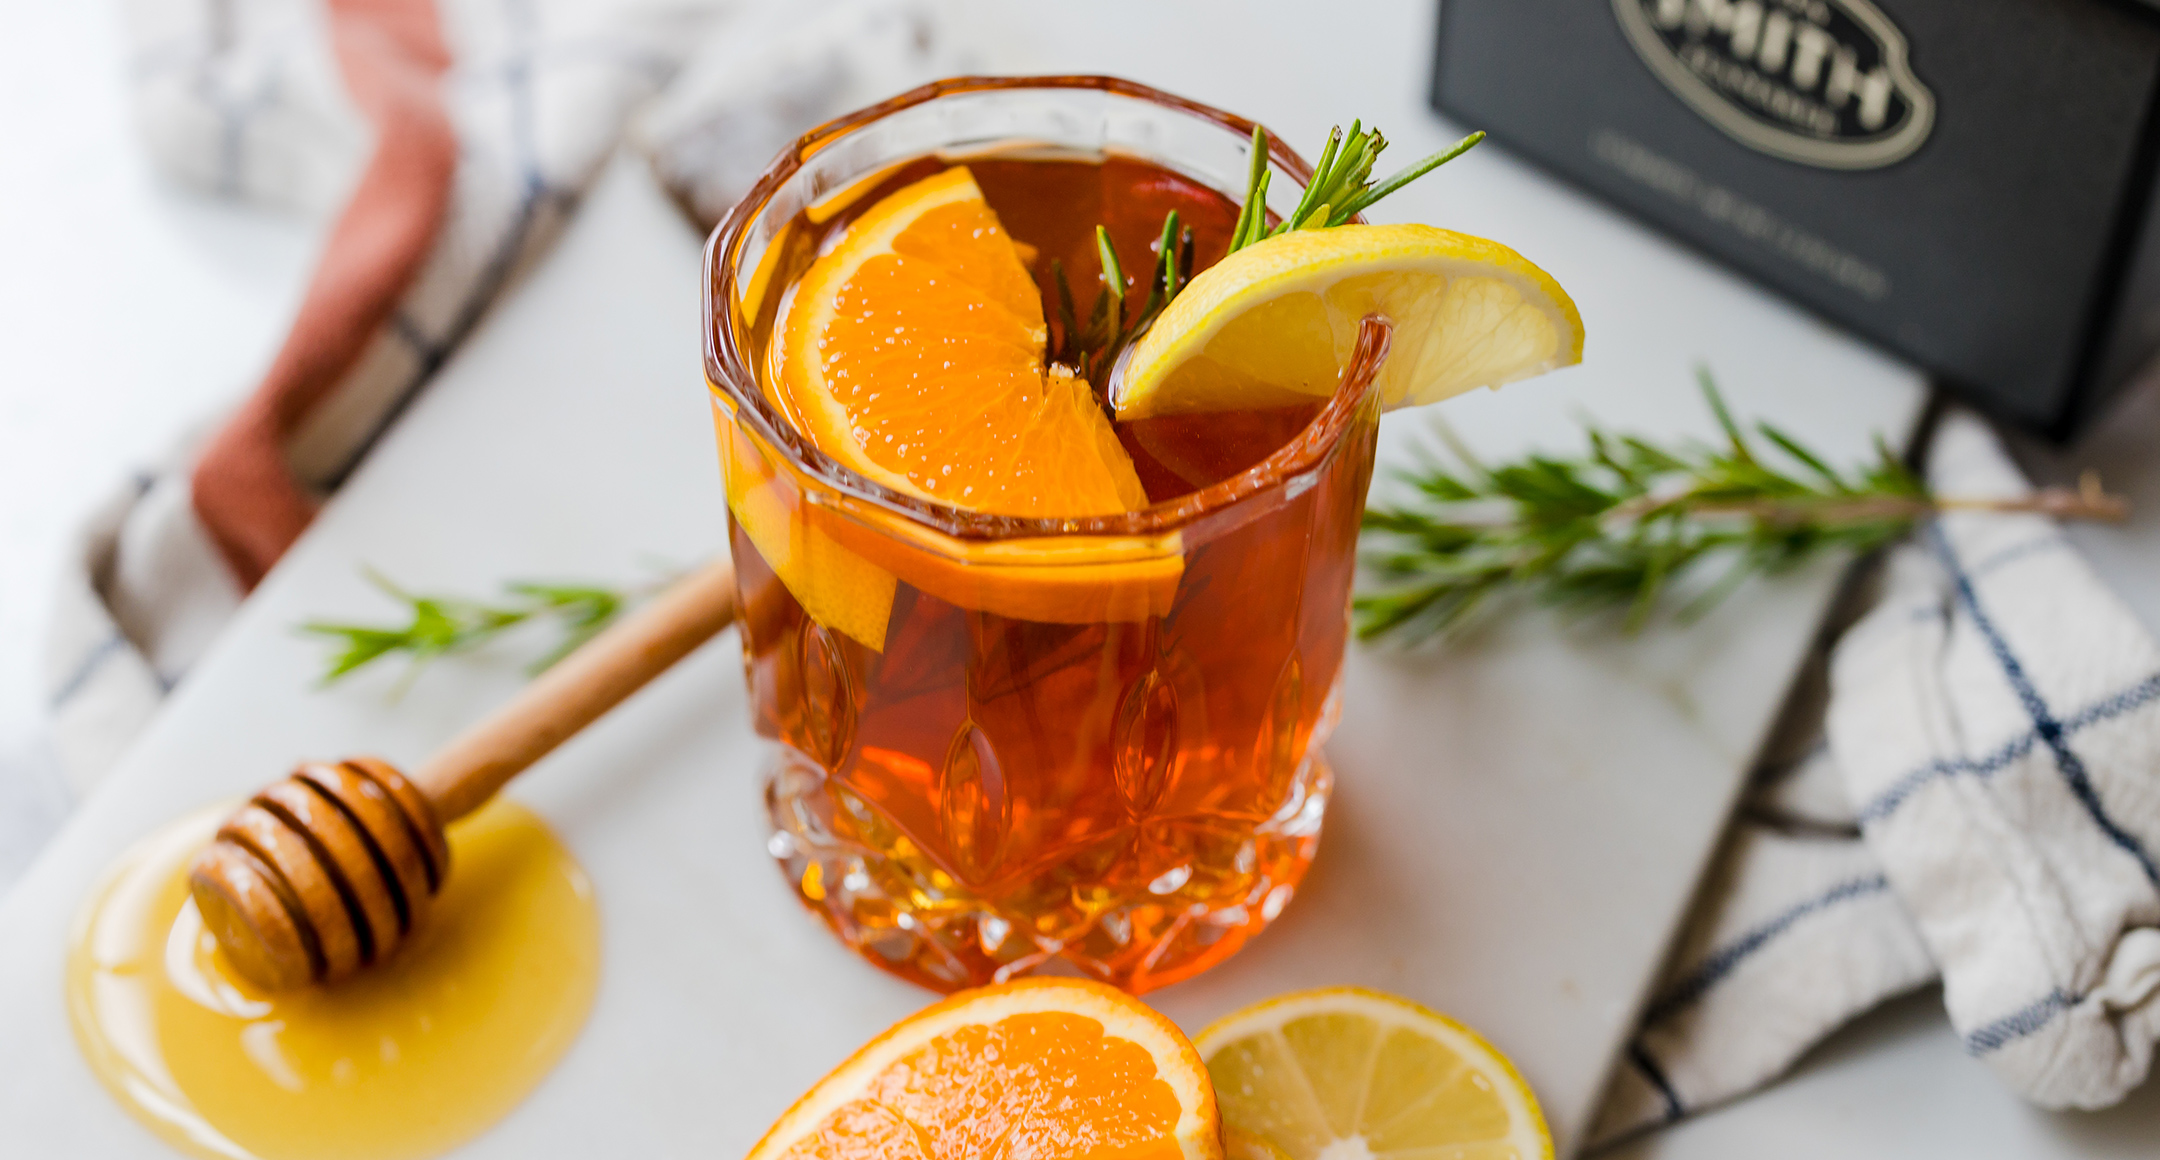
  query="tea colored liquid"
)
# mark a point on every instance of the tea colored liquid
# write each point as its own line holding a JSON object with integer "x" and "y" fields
{"x": 986, "y": 795}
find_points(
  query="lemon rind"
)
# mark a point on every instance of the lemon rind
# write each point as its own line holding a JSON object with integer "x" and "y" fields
{"x": 1389, "y": 1011}
{"x": 1313, "y": 260}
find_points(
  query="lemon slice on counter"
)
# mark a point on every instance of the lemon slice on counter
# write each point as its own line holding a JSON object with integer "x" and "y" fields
{"x": 1343, "y": 1073}
{"x": 1272, "y": 324}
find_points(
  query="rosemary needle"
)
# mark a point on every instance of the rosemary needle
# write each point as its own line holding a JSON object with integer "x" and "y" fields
{"x": 1340, "y": 189}
{"x": 437, "y": 626}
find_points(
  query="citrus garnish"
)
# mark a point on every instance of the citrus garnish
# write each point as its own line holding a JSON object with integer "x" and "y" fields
{"x": 1272, "y": 324}
{"x": 912, "y": 352}
{"x": 1343, "y": 1073}
{"x": 1041, "y": 1067}
{"x": 1238, "y": 1144}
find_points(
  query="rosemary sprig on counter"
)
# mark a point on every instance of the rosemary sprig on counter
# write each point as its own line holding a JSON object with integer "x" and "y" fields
{"x": 1616, "y": 528}
{"x": 1340, "y": 189}
{"x": 438, "y": 626}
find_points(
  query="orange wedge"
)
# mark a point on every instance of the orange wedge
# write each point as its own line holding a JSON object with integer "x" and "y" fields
{"x": 913, "y": 353}
{"x": 1042, "y": 1068}
{"x": 840, "y": 556}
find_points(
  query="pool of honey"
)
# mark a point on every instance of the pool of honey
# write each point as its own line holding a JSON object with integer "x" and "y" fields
{"x": 409, "y": 1059}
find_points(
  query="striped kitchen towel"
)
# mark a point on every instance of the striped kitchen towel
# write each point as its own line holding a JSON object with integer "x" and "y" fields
{"x": 460, "y": 135}
{"x": 781, "y": 71}
{"x": 1997, "y": 722}
{"x": 453, "y": 139}
{"x": 1794, "y": 931}
{"x": 1986, "y": 807}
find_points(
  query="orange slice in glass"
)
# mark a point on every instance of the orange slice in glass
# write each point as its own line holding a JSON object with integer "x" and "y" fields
{"x": 1041, "y": 1067}
{"x": 913, "y": 353}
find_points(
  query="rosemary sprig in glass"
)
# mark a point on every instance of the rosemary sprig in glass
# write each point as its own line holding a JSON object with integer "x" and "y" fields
{"x": 438, "y": 626}
{"x": 1341, "y": 185}
{"x": 1092, "y": 349}
{"x": 1340, "y": 189}
{"x": 1618, "y": 527}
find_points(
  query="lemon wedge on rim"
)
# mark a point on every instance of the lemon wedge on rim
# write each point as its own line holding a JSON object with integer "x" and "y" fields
{"x": 1272, "y": 324}
{"x": 1343, "y": 1073}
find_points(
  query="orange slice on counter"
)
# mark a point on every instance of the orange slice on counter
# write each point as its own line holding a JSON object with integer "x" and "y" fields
{"x": 1041, "y": 1067}
{"x": 913, "y": 353}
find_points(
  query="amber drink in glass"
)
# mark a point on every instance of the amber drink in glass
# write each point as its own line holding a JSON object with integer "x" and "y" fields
{"x": 1005, "y": 743}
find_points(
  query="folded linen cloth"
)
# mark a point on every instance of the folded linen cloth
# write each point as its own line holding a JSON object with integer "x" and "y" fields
{"x": 461, "y": 134}
{"x": 1794, "y": 931}
{"x": 489, "y": 119}
{"x": 1967, "y": 784}
{"x": 777, "y": 73}
{"x": 1998, "y": 722}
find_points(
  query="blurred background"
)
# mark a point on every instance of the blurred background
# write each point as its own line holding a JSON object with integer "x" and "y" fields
{"x": 136, "y": 306}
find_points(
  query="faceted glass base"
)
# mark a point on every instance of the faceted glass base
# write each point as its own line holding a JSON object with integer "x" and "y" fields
{"x": 1210, "y": 884}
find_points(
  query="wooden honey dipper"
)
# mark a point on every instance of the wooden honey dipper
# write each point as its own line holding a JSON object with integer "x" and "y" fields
{"x": 328, "y": 870}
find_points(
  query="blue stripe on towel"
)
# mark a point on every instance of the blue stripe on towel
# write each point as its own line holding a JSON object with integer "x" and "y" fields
{"x": 2105, "y": 709}
{"x": 1726, "y": 959}
{"x": 2018, "y": 551}
{"x": 2020, "y": 1023}
{"x": 1651, "y": 1072}
{"x": 1887, "y": 802}
{"x": 537, "y": 194}
{"x": 87, "y": 668}
{"x": 407, "y": 328}
{"x": 2044, "y": 723}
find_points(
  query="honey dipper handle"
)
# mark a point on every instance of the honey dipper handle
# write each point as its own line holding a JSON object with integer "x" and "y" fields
{"x": 578, "y": 689}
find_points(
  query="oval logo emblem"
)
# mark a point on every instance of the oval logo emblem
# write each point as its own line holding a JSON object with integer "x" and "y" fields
{"x": 1821, "y": 82}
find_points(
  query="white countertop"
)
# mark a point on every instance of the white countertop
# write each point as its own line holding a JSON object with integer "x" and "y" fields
{"x": 1892, "y": 1087}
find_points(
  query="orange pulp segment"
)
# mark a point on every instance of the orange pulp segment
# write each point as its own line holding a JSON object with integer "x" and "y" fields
{"x": 1055, "y": 1067}
{"x": 913, "y": 353}
{"x": 840, "y": 557}
{"x": 838, "y": 588}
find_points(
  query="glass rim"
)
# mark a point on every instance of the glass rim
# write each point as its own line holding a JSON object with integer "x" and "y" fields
{"x": 730, "y": 369}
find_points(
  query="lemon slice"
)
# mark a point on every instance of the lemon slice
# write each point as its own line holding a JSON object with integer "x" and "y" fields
{"x": 1343, "y": 1073}
{"x": 1273, "y": 324}
{"x": 1238, "y": 1144}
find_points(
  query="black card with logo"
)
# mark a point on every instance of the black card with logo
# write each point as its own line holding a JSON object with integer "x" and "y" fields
{"x": 1967, "y": 182}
